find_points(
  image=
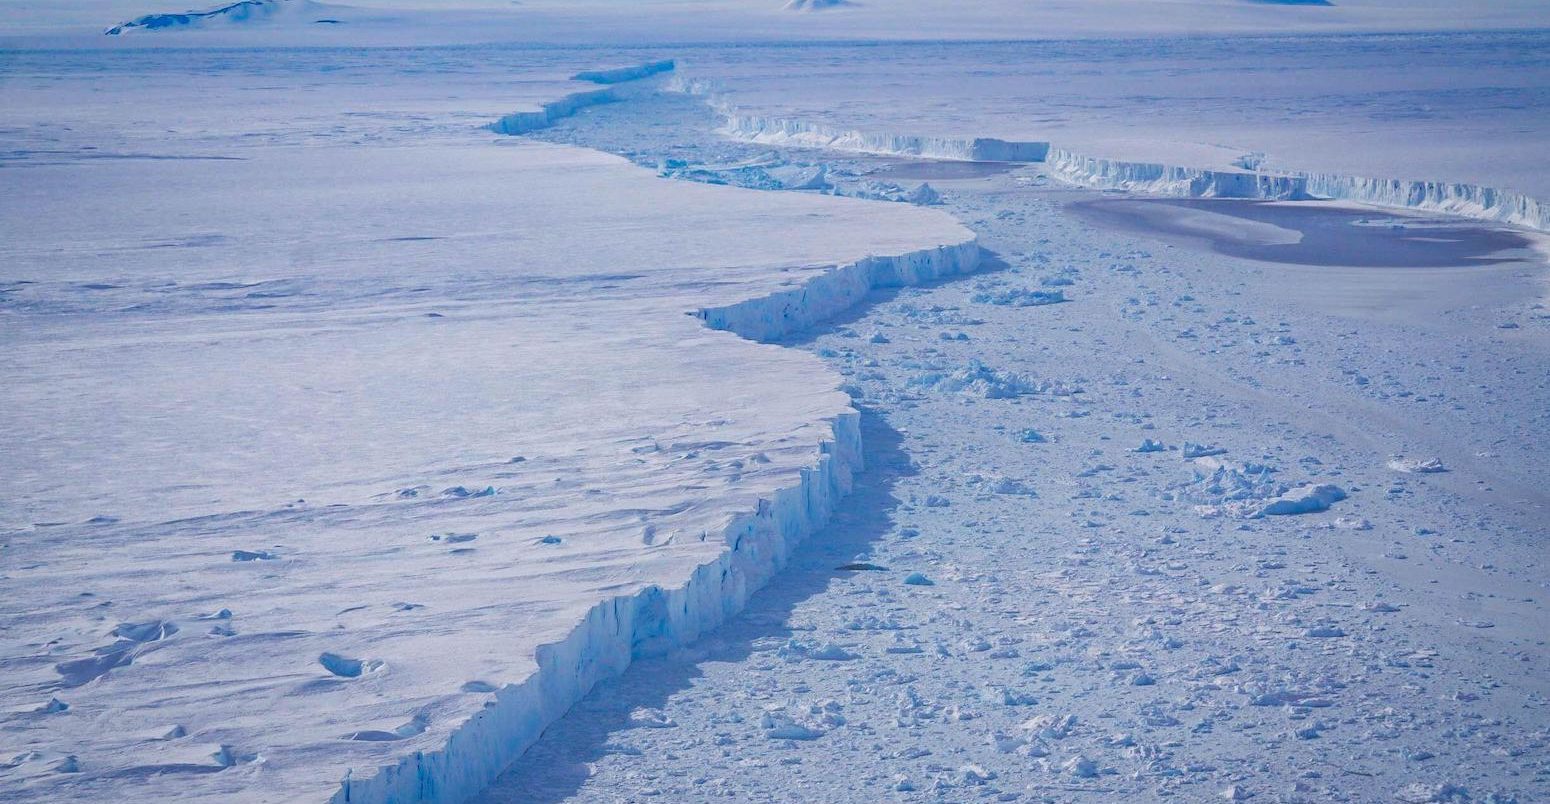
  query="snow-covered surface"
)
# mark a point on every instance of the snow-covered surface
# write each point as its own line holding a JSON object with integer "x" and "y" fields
{"x": 327, "y": 405}
{"x": 299, "y": 478}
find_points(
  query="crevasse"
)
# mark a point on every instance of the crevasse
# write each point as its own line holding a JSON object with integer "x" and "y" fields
{"x": 657, "y": 619}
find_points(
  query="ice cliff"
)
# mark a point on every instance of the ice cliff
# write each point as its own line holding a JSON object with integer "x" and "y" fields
{"x": 656, "y": 619}
{"x": 619, "y": 630}
{"x": 1465, "y": 200}
{"x": 525, "y": 121}
{"x": 622, "y": 74}
{"x": 803, "y": 134}
{"x": 773, "y": 317}
{"x": 1143, "y": 177}
{"x": 781, "y": 131}
{"x": 522, "y": 122}
{"x": 1453, "y": 198}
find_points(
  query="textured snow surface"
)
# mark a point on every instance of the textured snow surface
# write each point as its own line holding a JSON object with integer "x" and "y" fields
{"x": 299, "y": 478}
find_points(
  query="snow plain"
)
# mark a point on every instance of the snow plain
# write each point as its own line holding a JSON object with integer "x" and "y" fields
{"x": 328, "y": 407}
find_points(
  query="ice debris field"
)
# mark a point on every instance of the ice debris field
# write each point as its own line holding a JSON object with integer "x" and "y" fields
{"x": 774, "y": 415}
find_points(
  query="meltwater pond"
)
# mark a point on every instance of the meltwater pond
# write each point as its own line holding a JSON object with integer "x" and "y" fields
{"x": 1308, "y": 233}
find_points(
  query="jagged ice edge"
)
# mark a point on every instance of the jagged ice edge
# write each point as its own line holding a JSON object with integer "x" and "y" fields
{"x": 655, "y": 620}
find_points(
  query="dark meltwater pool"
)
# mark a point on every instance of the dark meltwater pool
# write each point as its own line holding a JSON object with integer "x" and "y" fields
{"x": 1308, "y": 233}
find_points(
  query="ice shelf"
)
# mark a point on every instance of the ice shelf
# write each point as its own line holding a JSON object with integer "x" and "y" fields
{"x": 381, "y": 463}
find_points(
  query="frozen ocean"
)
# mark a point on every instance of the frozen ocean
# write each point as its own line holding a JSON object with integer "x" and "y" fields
{"x": 826, "y": 400}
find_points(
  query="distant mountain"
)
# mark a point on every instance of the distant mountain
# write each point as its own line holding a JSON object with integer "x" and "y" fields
{"x": 816, "y": 5}
{"x": 238, "y": 13}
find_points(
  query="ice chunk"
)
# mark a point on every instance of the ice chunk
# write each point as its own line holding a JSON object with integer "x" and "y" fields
{"x": 977, "y": 379}
{"x": 1308, "y": 499}
{"x": 1019, "y": 297}
{"x": 1193, "y": 450}
{"x": 1400, "y": 463}
{"x": 924, "y": 195}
